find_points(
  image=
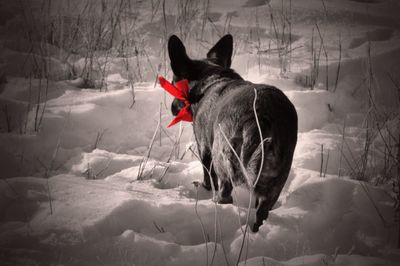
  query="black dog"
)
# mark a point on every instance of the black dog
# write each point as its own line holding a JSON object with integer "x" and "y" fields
{"x": 222, "y": 107}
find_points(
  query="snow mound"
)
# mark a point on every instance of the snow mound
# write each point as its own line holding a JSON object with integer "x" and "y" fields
{"x": 92, "y": 176}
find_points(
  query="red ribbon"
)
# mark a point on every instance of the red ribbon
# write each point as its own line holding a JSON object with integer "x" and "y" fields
{"x": 181, "y": 92}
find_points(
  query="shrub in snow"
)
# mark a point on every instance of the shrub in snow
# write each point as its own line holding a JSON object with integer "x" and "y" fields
{"x": 32, "y": 65}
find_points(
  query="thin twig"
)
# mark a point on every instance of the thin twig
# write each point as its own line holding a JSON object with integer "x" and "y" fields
{"x": 384, "y": 223}
{"x": 326, "y": 164}
{"x": 341, "y": 148}
{"x": 326, "y": 57}
{"x": 322, "y": 160}
{"x": 159, "y": 228}
{"x": 339, "y": 63}
{"x": 197, "y": 184}
{"x": 143, "y": 163}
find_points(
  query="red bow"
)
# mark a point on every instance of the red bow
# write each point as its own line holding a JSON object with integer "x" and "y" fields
{"x": 181, "y": 92}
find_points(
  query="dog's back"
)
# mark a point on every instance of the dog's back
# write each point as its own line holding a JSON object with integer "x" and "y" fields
{"x": 227, "y": 108}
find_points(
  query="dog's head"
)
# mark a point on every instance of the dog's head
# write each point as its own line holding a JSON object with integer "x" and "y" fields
{"x": 217, "y": 60}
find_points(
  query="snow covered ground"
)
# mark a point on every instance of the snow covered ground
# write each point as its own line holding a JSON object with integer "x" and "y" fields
{"x": 81, "y": 191}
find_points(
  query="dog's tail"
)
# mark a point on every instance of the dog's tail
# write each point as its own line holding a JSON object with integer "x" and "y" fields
{"x": 257, "y": 152}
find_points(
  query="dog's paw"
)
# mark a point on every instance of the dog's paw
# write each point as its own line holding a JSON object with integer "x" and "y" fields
{"x": 227, "y": 200}
{"x": 255, "y": 228}
{"x": 206, "y": 186}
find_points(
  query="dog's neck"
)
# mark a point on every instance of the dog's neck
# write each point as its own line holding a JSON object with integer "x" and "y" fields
{"x": 200, "y": 88}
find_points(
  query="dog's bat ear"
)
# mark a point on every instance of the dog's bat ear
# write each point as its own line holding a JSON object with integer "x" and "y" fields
{"x": 177, "y": 54}
{"x": 221, "y": 53}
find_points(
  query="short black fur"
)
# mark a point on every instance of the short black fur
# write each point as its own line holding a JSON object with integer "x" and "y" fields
{"x": 221, "y": 100}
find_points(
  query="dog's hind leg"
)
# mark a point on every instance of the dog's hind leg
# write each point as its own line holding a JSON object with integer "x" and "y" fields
{"x": 226, "y": 171}
{"x": 208, "y": 169}
{"x": 263, "y": 208}
{"x": 225, "y": 196}
{"x": 267, "y": 192}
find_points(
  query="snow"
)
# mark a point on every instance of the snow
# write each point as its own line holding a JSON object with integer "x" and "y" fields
{"x": 86, "y": 189}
